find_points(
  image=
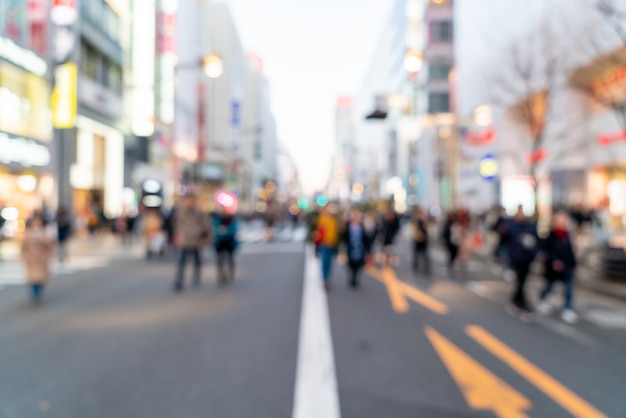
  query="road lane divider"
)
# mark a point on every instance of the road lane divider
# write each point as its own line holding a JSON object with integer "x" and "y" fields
{"x": 483, "y": 391}
{"x": 399, "y": 291}
{"x": 316, "y": 393}
{"x": 563, "y": 396}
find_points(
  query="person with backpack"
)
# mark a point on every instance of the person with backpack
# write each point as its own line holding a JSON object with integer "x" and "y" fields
{"x": 559, "y": 266}
{"x": 523, "y": 248}
{"x": 225, "y": 244}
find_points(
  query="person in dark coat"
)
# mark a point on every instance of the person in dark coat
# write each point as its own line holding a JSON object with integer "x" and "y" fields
{"x": 356, "y": 241}
{"x": 419, "y": 228}
{"x": 499, "y": 227}
{"x": 452, "y": 237}
{"x": 559, "y": 266}
{"x": 64, "y": 231}
{"x": 371, "y": 229}
{"x": 225, "y": 226}
{"x": 523, "y": 244}
{"x": 389, "y": 232}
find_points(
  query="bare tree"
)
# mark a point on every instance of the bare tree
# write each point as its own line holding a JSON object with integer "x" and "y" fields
{"x": 528, "y": 81}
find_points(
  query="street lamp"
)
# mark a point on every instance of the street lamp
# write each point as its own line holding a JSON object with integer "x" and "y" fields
{"x": 413, "y": 61}
{"x": 212, "y": 65}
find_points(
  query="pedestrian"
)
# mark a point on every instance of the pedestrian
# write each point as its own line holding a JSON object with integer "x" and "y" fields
{"x": 326, "y": 238}
{"x": 192, "y": 231}
{"x": 452, "y": 237}
{"x": 155, "y": 237}
{"x": 225, "y": 226}
{"x": 523, "y": 248}
{"x": 389, "y": 231}
{"x": 500, "y": 228}
{"x": 37, "y": 252}
{"x": 370, "y": 227}
{"x": 419, "y": 228}
{"x": 356, "y": 242}
{"x": 64, "y": 231}
{"x": 559, "y": 266}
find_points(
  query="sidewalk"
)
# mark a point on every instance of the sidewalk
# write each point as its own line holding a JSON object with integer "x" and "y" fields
{"x": 102, "y": 245}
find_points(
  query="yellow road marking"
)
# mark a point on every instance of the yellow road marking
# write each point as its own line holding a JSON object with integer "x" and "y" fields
{"x": 482, "y": 389}
{"x": 543, "y": 381}
{"x": 398, "y": 301}
{"x": 399, "y": 291}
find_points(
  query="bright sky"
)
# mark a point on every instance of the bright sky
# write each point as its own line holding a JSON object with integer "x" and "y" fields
{"x": 313, "y": 51}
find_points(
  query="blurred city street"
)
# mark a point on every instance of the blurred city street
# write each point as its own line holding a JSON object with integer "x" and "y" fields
{"x": 322, "y": 209}
{"x": 114, "y": 341}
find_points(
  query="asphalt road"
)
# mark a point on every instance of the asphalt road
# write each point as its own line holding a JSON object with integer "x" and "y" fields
{"x": 114, "y": 341}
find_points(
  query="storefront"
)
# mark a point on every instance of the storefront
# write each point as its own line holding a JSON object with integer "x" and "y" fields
{"x": 26, "y": 175}
{"x": 97, "y": 174}
{"x": 605, "y": 81}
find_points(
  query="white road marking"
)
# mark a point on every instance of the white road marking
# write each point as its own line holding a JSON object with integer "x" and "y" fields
{"x": 316, "y": 393}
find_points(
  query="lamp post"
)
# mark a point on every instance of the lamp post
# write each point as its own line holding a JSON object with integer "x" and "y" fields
{"x": 212, "y": 67}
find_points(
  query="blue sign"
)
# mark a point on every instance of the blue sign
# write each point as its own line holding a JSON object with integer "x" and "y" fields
{"x": 236, "y": 114}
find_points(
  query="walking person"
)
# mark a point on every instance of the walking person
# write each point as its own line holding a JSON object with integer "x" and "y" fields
{"x": 356, "y": 242}
{"x": 389, "y": 231}
{"x": 560, "y": 265}
{"x": 37, "y": 252}
{"x": 370, "y": 228}
{"x": 452, "y": 237}
{"x": 64, "y": 231}
{"x": 523, "y": 248}
{"x": 419, "y": 227}
{"x": 225, "y": 226}
{"x": 326, "y": 238}
{"x": 192, "y": 231}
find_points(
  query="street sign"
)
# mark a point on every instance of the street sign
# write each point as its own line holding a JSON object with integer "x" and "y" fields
{"x": 236, "y": 114}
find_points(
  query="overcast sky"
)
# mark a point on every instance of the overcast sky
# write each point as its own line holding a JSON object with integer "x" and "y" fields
{"x": 313, "y": 51}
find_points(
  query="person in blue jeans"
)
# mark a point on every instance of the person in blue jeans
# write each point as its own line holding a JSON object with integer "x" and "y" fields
{"x": 326, "y": 237}
{"x": 560, "y": 265}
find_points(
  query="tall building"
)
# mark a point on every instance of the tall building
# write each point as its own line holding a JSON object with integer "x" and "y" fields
{"x": 26, "y": 170}
{"x": 96, "y": 171}
{"x": 225, "y": 134}
{"x": 435, "y": 148}
{"x": 375, "y": 139}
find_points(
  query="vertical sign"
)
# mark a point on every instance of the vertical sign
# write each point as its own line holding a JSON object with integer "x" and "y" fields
{"x": 63, "y": 100}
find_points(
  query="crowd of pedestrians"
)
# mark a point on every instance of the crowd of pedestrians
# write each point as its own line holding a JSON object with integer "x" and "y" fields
{"x": 357, "y": 235}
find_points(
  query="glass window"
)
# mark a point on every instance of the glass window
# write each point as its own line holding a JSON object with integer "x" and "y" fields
{"x": 89, "y": 61}
{"x": 438, "y": 102}
{"x": 439, "y": 71}
{"x": 441, "y": 31}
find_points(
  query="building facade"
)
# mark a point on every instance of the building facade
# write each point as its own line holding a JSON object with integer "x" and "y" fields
{"x": 27, "y": 181}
